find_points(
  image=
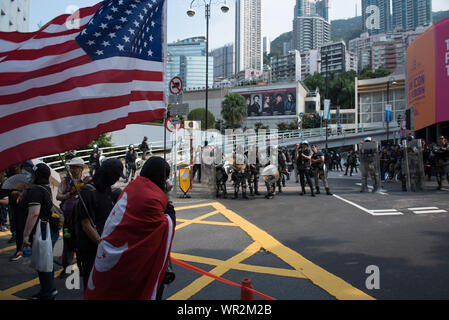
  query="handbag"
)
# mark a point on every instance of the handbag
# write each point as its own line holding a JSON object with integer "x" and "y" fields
{"x": 42, "y": 257}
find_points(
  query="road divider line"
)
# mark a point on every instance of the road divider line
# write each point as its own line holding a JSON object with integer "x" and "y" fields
{"x": 422, "y": 209}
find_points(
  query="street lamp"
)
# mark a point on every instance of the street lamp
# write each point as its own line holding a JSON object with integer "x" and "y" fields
{"x": 191, "y": 12}
{"x": 393, "y": 83}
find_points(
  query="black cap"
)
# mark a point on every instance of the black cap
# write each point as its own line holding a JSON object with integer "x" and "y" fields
{"x": 113, "y": 166}
{"x": 42, "y": 173}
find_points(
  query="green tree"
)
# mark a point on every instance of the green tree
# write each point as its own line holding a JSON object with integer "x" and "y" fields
{"x": 103, "y": 141}
{"x": 199, "y": 114}
{"x": 233, "y": 110}
{"x": 311, "y": 121}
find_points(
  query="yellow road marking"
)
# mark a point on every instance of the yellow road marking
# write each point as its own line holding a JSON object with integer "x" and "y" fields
{"x": 240, "y": 266}
{"x": 26, "y": 285}
{"x": 221, "y": 269}
{"x": 215, "y": 223}
{"x": 196, "y": 220}
{"x": 320, "y": 277}
{"x": 202, "y": 205}
{"x": 5, "y": 233}
{"x": 7, "y": 249}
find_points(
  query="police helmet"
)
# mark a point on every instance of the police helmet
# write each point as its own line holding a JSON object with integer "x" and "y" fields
{"x": 368, "y": 139}
{"x": 131, "y": 146}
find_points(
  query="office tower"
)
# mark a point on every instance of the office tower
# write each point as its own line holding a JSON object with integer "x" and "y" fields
{"x": 376, "y": 16}
{"x": 248, "y": 35}
{"x": 310, "y": 32}
{"x": 14, "y": 15}
{"x": 187, "y": 60}
{"x": 302, "y": 8}
{"x": 224, "y": 62}
{"x": 322, "y": 9}
{"x": 410, "y": 14}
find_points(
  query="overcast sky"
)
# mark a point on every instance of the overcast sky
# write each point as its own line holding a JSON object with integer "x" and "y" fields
{"x": 277, "y": 17}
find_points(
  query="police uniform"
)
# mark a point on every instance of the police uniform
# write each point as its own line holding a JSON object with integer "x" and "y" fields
{"x": 441, "y": 153}
{"x": 239, "y": 178}
{"x": 130, "y": 163}
{"x": 369, "y": 164}
{"x": 304, "y": 168}
{"x": 318, "y": 170}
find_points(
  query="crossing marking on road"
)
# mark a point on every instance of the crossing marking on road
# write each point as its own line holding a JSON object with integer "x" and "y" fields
{"x": 385, "y": 212}
{"x": 427, "y": 210}
{"x": 302, "y": 267}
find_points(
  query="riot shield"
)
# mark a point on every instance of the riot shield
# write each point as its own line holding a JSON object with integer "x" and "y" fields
{"x": 370, "y": 163}
{"x": 413, "y": 164}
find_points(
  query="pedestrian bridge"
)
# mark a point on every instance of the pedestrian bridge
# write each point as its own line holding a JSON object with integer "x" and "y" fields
{"x": 336, "y": 140}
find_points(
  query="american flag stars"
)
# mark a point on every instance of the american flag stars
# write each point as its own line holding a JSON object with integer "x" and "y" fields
{"x": 129, "y": 28}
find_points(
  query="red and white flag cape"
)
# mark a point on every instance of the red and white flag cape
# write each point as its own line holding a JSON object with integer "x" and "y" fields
{"x": 135, "y": 246}
{"x": 79, "y": 76}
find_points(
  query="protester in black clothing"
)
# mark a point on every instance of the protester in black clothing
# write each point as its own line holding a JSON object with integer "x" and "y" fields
{"x": 352, "y": 163}
{"x": 441, "y": 152}
{"x": 130, "y": 163}
{"x": 99, "y": 200}
{"x": 38, "y": 200}
{"x": 427, "y": 151}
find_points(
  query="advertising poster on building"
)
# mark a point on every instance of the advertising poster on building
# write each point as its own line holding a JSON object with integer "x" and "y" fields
{"x": 442, "y": 70}
{"x": 428, "y": 76}
{"x": 421, "y": 79}
{"x": 273, "y": 102}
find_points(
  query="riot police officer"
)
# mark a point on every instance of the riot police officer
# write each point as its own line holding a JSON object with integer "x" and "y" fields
{"x": 221, "y": 177}
{"x": 239, "y": 174}
{"x": 304, "y": 167}
{"x": 412, "y": 164}
{"x": 369, "y": 164}
{"x": 253, "y": 176}
{"x": 441, "y": 153}
{"x": 282, "y": 167}
{"x": 130, "y": 163}
{"x": 94, "y": 160}
{"x": 318, "y": 170}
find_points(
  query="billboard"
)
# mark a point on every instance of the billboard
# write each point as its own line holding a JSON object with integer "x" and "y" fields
{"x": 428, "y": 76}
{"x": 270, "y": 102}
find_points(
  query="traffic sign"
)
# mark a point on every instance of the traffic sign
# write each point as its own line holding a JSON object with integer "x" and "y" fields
{"x": 173, "y": 124}
{"x": 301, "y": 115}
{"x": 176, "y": 86}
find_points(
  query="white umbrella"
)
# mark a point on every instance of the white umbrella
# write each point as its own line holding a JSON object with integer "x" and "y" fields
{"x": 55, "y": 178}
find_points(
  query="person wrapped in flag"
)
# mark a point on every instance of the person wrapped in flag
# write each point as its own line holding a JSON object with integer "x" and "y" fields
{"x": 79, "y": 76}
{"x": 134, "y": 249}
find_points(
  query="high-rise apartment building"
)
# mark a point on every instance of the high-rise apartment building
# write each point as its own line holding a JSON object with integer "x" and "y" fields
{"x": 310, "y": 32}
{"x": 224, "y": 62}
{"x": 248, "y": 35}
{"x": 14, "y": 15}
{"x": 410, "y": 14}
{"x": 376, "y": 16}
{"x": 311, "y": 27}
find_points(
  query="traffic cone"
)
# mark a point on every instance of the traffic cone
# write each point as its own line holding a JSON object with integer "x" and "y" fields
{"x": 245, "y": 293}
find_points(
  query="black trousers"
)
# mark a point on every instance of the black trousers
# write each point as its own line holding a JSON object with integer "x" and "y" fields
{"x": 197, "y": 167}
{"x": 308, "y": 178}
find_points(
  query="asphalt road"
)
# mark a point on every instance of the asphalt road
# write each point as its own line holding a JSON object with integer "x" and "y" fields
{"x": 297, "y": 247}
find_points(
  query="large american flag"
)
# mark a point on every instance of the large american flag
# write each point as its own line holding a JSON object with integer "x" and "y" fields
{"x": 61, "y": 87}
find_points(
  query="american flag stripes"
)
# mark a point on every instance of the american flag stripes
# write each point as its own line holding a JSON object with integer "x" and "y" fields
{"x": 60, "y": 87}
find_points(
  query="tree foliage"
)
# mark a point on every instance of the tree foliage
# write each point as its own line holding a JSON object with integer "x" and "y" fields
{"x": 199, "y": 114}
{"x": 233, "y": 110}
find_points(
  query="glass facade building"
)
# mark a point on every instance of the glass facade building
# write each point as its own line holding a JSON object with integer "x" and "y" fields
{"x": 187, "y": 60}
